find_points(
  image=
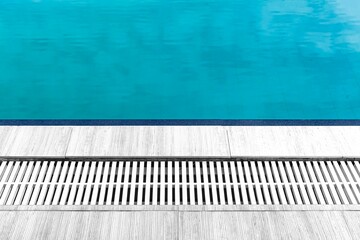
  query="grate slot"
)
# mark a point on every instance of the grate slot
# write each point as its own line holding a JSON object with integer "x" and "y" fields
{"x": 179, "y": 182}
{"x": 324, "y": 189}
{"x": 213, "y": 184}
{"x": 140, "y": 184}
{"x": 278, "y": 182}
{"x": 16, "y": 177}
{"x": 219, "y": 174}
{"x": 235, "y": 184}
{"x": 308, "y": 184}
{"x": 263, "y": 181}
{"x": 104, "y": 184}
{"x": 338, "y": 184}
{"x": 84, "y": 176}
{"x": 344, "y": 178}
{"x": 134, "y": 183}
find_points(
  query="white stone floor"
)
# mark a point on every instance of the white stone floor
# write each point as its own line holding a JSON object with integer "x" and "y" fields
{"x": 130, "y": 223}
{"x": 180, "y": 141}
{"x": 180, "y": 222}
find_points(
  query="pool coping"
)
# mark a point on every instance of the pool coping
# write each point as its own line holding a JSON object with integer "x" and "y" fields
{"x": 179, "y": 122}
{"x": 223, "y": 142}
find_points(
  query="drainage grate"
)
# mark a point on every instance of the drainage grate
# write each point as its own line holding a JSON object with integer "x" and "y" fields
{"x": 178, "y": 182}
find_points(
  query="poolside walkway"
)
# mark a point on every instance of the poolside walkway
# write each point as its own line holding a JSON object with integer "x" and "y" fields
{"x": 180, "y": 222}
{"x": 180, "y": 141}
{"x": 173, "y": 223}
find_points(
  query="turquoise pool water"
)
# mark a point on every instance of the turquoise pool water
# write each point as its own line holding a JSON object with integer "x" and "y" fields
{"x": 179, "y": 59}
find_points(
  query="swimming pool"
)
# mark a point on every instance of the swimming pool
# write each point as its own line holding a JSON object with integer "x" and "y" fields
{"x": 179, "y": 59}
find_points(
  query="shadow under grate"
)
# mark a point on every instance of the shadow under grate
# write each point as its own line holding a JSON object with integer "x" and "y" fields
{"x": 179, "y": 182}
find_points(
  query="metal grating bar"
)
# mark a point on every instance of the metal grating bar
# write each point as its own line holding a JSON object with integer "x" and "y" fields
{"x": 179, "y": 182}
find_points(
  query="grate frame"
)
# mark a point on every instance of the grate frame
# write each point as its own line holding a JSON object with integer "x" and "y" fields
{"x": 52, "y": 182}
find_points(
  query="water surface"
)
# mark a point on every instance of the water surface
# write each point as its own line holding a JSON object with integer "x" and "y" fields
{"x": 179, "y": 59}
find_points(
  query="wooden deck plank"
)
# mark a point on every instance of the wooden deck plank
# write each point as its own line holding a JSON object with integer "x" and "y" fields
{"x": 329, "y": 225}
{"x": 264, "y": 225}
{"x": 179, "y": 141}
{"x": 35, "y": 141}
{"x": 148, "y": 141}
{"x": 294, "y": 141}
{"x": 88, "y": 225}
{"x": 291, "y": 225}
{"x": 221, "y": 225}
{"x": 7, "y": 135}
{"x": 7, "y": 224}
{"x": 353, "y": 222}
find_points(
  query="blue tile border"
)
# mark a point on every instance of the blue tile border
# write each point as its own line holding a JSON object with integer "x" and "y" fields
{"x": 179, "y": 122}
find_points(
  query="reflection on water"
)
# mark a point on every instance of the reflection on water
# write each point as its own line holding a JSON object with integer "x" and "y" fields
{"x": 216, "y": 59}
